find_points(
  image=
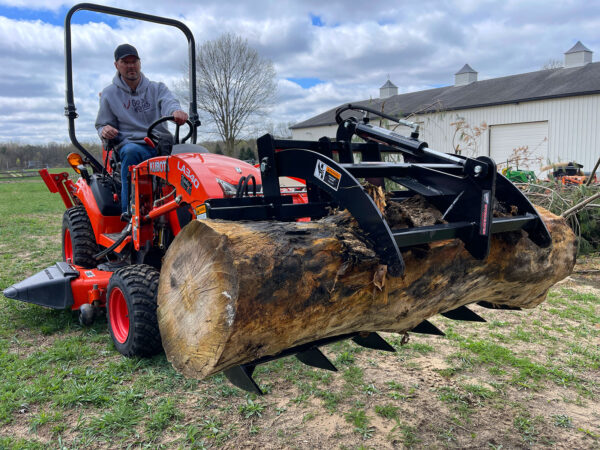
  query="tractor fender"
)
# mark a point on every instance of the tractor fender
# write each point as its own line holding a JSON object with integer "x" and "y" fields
{"x": 101, "y": 223}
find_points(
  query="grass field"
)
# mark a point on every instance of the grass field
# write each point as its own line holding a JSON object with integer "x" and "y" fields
{"x": 523, "y": 379}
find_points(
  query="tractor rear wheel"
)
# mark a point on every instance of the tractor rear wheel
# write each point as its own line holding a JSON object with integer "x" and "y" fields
{"x": 131, "y": 310}
{"x": 78, "y": 240}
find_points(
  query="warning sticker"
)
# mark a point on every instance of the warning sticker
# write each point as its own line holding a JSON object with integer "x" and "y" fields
{"x": 327, "y": 175}
{"x": 484, "y": 225}
{"x": 89, "y": 274}
{"x": 200, "y": 211}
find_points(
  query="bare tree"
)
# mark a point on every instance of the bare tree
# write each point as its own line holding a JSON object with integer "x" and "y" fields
{"x": 234, "y": 84}
{"x": 552, "y": 64}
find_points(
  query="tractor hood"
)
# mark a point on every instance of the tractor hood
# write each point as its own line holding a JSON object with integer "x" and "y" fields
{"x": 215, "y": 175}
{"x": 229, "y": 169}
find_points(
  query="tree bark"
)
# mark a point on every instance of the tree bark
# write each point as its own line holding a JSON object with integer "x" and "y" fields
{"x": 232, "y": 292}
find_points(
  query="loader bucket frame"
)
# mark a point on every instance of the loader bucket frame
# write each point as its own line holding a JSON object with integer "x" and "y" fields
{"x": 71, "y": 110}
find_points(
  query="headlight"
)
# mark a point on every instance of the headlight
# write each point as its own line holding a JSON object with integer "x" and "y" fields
{"x": 229, "y": 190}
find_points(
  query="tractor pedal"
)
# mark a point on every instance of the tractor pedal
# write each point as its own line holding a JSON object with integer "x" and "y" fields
{"x": 373, "y": 341}
{"x": 489, "y": 305}
{"x": 463, "y": 313}
{"x": 426, "y": 327}
{"x": 315, "y": 358}
{"x": 241, "y": 377}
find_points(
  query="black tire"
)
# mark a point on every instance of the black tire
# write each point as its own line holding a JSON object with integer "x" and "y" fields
{"x": 77, "y": 228}
{"x": 131, "y": 310}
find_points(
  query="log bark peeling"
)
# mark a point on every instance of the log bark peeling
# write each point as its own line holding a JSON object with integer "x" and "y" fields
{"x": 232, "y": 292}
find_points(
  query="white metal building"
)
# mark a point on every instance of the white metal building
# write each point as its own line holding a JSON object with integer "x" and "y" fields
{"x": 550, "y": 115}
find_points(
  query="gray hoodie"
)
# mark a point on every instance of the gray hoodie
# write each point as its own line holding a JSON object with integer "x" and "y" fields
{"x": 132, "y": 112}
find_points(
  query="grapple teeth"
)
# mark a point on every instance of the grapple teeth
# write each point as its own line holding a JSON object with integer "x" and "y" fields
{"x": 489, "y": 305}
{"x": 426, "y": 327}
{"x": 241, "y": 377}
{"x": 373, "y": 341}
{"x": 463, "y": 313}
{"x": 315, "y": 358}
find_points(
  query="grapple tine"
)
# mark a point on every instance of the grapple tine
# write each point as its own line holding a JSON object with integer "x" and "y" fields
{"x": 426, "y": 327}
{"x": 463, "y": 313}
{"x": 373, "y": 341}
{"x": 315, "y": 358}
{"x": 241, "y": 377}
{"x": 489, "y": 305}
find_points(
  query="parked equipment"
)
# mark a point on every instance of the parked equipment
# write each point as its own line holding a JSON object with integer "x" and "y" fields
{"x": 519, "y": 176}
{"x": 111, "y": 267}
{"x": 569, "y": 173}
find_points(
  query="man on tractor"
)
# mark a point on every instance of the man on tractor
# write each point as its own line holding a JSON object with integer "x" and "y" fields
{"x": 127, "y": 108}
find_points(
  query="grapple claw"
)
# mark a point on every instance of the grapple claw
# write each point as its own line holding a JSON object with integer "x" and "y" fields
{"x": 426, "y": 327}
{"x": 315, "y": 358}
{"x": 241, "y": 377}
{"x": 373, "y": 341}
{"x": 463, "y": 313}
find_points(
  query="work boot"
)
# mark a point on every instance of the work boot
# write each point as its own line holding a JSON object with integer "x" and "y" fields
{"x": 125, "y": 217}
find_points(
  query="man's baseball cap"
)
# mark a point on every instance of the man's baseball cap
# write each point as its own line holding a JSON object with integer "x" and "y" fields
{"x": 124, "y": 50}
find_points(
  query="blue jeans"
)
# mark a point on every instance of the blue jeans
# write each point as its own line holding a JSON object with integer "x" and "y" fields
{"x": 131, "y": 154}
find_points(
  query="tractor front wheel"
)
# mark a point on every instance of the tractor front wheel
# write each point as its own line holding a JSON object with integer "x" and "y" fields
{"x": 131, "y": 310}
{"x": 78, "y": 240}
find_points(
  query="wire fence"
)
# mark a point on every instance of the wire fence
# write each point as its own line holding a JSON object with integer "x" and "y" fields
{"x": 15, "y": 175}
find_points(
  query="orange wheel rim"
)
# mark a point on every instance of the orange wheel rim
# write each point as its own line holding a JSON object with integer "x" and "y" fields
{"x": 119, "y": 315}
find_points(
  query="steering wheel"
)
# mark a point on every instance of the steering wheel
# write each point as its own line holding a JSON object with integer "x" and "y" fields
{"x": 177, "y": 126}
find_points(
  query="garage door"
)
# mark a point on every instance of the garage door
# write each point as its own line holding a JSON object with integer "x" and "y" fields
{"x": 527, "y": 142}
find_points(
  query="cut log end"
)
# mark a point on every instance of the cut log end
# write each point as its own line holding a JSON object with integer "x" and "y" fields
{"x": 198, "y": 290}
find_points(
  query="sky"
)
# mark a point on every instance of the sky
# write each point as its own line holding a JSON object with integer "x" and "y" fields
{"x": 324, "y": 53}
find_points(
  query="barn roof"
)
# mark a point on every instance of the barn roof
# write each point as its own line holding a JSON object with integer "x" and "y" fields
{"x": 526, "y": 87}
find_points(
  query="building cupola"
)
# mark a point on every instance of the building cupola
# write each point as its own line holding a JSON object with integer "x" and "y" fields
{"x": 388, "y": 89}
{"x": 578, "y": 55}
{"x": 465, "y": 76}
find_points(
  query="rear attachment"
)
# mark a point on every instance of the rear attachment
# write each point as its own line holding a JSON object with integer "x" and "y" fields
{"x": 61, "y": 286}
{"x": 50, "y": 287}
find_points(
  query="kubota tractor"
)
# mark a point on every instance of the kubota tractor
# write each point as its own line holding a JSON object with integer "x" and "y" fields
{"x": 112, "y": 267}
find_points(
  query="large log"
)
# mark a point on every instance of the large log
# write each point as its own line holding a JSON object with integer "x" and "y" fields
{"x": 232, "y": 292}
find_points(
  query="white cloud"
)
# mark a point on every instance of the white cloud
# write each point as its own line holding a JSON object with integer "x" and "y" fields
{"x": 353, "y": 53}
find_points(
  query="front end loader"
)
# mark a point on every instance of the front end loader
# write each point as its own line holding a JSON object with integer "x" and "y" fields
{"x": 142, "y": 273}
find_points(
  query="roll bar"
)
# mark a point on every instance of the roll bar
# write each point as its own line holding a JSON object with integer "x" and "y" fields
{"x": 71, "y": 111}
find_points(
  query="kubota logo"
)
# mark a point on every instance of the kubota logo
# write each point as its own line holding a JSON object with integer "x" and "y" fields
{"x": 188, "y": 173}
{"x": 158, "y": 166}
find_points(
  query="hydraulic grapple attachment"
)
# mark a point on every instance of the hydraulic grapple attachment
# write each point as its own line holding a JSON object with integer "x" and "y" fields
{"x": 465, "y": 190}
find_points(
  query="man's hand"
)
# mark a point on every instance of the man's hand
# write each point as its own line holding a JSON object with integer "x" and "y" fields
{"x": 180, "y": 117}
{"x": 109, "y": 132}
